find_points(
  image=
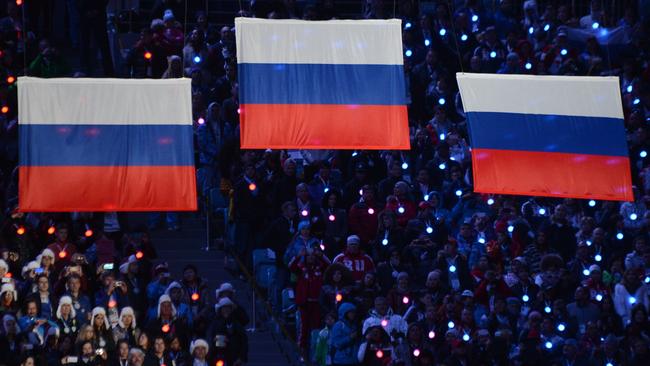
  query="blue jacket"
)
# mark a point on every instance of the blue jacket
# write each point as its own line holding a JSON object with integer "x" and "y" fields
{"x": 344, "y": 348}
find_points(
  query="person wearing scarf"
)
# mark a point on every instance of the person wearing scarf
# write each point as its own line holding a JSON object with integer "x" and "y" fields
{"x": 126, "y": 328}
{"x": 66, "y": 317}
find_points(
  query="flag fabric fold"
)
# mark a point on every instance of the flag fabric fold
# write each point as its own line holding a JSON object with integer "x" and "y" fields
{"x": 557, "y": 136}
{"x": 105, "y": 145}
{"x": 335, "y": 84}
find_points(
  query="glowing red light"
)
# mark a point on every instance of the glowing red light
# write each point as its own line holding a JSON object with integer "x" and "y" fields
{"x": 62, "y": 254}
{"x": 371, "y": 211}
{"x": 384, "y": 323}
{"x": 19, "y": 2}
{"x": 11, "y": 79}
{"x": 139, "y": 254}
{"x": 200, "y": 121}
{"x": 379, "y": 353}
{"x": 405, "y": 300}
{"x": 88, "y": 233}
{"x": 165, "y": 328}
{"x": 195, "y": 297}
{"x": 416, "y": 352}
{"x": 252, "y": 187}
{"x": 339, "y": 297}
{"x": 20, "y": 230}
{"x": 147, "y": 55}
{"x": 112, "y": 303}
{"x": 8, "y": 275}
{"x": 51, "y": 230}
{"x": 332, "y": 217}
{"x": 219, "y": 363}
{"x": 4, "y": 109}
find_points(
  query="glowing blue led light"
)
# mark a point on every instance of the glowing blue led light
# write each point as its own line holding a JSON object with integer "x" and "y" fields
{"x": 408, "y": 53}
{"x": 354, "y": 153}
{"x": 588, "y": 243}
{"x": 531, "y": 30}
{"x": 442, "y": 136}
{"x": 463, "y": 37}
{"x": 427, "y": 42}
{"x": 548, "y": 345}
{"x": 632, "y": 300}
{"x": 633, "y": 216}
{"x": 493, "y": 54}
{"x": 481, "y": 240}
{"x": 598, "y": 257}
{"x": 511, "y": 228}
{"x": 599, "y": 297}
{"x": 636, "y": 101}
{"x": 620, "y": 236}
{"x": 475, "y": 18}
{"x": 325, "y": 190}
{"x": 643, "y": 153}
{"x": 528, "y": 66}
{"x": 400, "y": 209}
{"x": 525, "y": 298}
{"x": 197, "y": 59}
{"x": 384, "y": 242}
{"x": 442, "y": 101}
{"x": 585, "y": 272}
{"x": 542, "y": 211}
{"x": 466, "y": 337}
{"x": 442, "y": 32}
{"x": 595, "y": 25}
{"x": 429, "y": 230}
{"x": 561, "y": 327}
{"x": 629, "y": 88}
{"x": 547, "y": 309}
{"x": 564, "y": 52}
{"x": 490, "y": 201}
{"x": 647, "y": 279}
{"x": 452, "y": 269}
{"x": 407, "y": 25}
{"x": 450, "y": 324}
{"x": 592, "y": 203}
{"x": 609, "y": 364}
{"x": 442, "y": 166}
{"x": 405, "y": 165}
{"x": 547, "y": 27}
{"x": 426, "y": 197}
{"x": 459, "y": 192}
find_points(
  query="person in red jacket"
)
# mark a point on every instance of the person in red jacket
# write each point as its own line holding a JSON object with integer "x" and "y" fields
{"x": 355, "y": 259}
{"x": 362, "y": 219}
{"x": 309, "y": 266}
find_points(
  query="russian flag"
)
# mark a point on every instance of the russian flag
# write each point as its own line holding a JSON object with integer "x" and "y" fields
{"x": 557, "y": 136}
{"x": 335, "y": 84}
{"x": 105, "y": 145}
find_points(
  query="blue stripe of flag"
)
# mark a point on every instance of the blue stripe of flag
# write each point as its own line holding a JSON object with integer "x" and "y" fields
{"x": 106, "y": 145}
{"x": 548, "y": 133}
{"x": 322, "y": 84}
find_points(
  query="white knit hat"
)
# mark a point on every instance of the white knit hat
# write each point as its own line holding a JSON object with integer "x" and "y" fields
{"x": 4, "y": 265}
{"x": 223, "y": 302}
{"x": 127, "y": 310}
{"x": 226, "y": 286}
{"x": 166, "y": 298}
{"x": 9, "y": 287}
{"x": 96, "y": 311}
{"x": 30, "y": 267}
{"x": 199, "y": 343}
{"x": 124, "y": 267}
{"x": 48, "y": 253}
{"x": 66, "y": 300}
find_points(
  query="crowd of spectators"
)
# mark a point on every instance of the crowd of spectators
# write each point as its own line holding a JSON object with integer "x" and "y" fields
{"x": 388, "y": 256}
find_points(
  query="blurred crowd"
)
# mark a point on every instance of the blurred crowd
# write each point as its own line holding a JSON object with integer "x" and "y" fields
{"x": 369, "y": 257}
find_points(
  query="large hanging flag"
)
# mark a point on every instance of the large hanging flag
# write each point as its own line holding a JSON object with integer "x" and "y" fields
{"x": 335, "y": 84}
{"x": 105, "y": 145}
{"x": 557, "y": 136}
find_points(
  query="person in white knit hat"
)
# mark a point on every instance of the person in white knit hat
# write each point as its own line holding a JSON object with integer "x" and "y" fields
{"x": 167, "y": 323}
{"x": 126, "y": 327}
{"x": 199, "y": 350}
{"x": 99, "y": 322}
{"x": 8, "y": 299}
{"x": 66, "y": 317}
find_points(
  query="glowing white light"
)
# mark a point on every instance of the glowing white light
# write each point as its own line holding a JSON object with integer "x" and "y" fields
{"x": 547, "y": 309}
{"x": 490, "y": 201}
{"x": 463, "y": 37}
{"x": 629, "y": 88}
{"x": 426, "y": 197}
{"x": 384, "y": 242}
{"x": 401, "y": 209}
{"x": 331, "y": 217}
{"x": 620, "y": 236}
{"x": 585, "y": 272}
{"x": 528, "y": 66}
{"x": 452, "y": 269}
{"x": 200, "y": 121}
{"x": 564, "y": 52}
{"x": 481, "y": 240}
{"x": 547, "y": 27}
{"x": 595, "y": 25}
{"x": 416, "y": 352}
{"x": 598, "y": 257}
{"x": 561, "y": 327}
{"x": 525, "y": 298}
{"x": 427, "y": 43}
{"x": 405, "y": 300}
{"x": 405, "y": 165}
{"x": 643, "y": 153}
{"x": 450, "y": 324}
{"x": 542, "y": 211}
{"x": 633, "y": 216}
{"x": 636, "y": 101}
{"x": 408, "y": 53}
{"x": 475, "y": 18}
{"x": 407, "y": 25}
{"x": 548, "y": 345}
{"x": 384, "y": 323}
{"x": 371, "y": 211}
{"x": 588, "y": 243}
{"x": 459, "y": 192}
{"x": 432, "y": 334}
{"x": 531, "y": 30}
{"x": 493, "y": 54}
{"x": 442, "y": 137}
{"x": 599, "y": 297}
{"x": 442, "y": 101}
{"x": 592, "y": 203}
{"x": 429, "y": 230}
{"x": 511, "y": 228}
{"x": 442, "y": 32}
{"x": 466, "y": 337}
{"x": 632, "y": 300}
{"x": 304, "y": 212}
{"x": 197, "y": 59}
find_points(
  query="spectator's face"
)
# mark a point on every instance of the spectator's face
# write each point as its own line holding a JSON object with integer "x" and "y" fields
{"x": 353, "y": 248}
{"x": 395, "y": 171}
{"x": 351, "y": 315}
{"x": 123, "y": 350}
{"x": 87, "y": 349}
{"x": 337, "y": 276}
{"x": 99, "y": 320}
{"x": 465, "y": 231}
{"x": 302, "y": 193}
{"x": 290, "y": 168}
{"x": 368, "y": 279}
{"x": 569, "y": 351}
{"x": 560, "y": 212}
{"x": 483, "y": 263}
{"x": 43, "y": 284}
{"x": 331, "y": 200}
{"x": 639, "y": 317}
{"x": 403, "y": 283}
{"x": 290, "y": 211}
{"x": 375, "y": 334}
{"x": 423, "y": 176}
{"x": 159, "y": 345}
{"x": 175, "y": 345}
{"x": 189, "y": 275}
{"x": 580, "y": 294}
{"x": 46, "y": 261}
{"x": 381, "y": 306}
{"x": 166, "y": 309}
{"x": 28, "y": 362}
{"x": 136, "y": 359}
{"x": 466, "y": 316}
{"x": 175, "y": 294}
{"x": 127, "y": 319}
{"x": 433, "y": 280}
{"x": 200, "y": 352}
{"x": 74, "y": 284}
{"x": 368, "y": 195}
{"x": 65, "y": 309}
{"x": 305, "y": 232}
{"x": 62, "y": 234}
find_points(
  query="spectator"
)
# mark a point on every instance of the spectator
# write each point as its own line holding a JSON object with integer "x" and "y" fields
{"x": 354, "y": 259}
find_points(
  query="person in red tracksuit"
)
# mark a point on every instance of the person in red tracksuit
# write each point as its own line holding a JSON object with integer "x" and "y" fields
{"x": 362, "y": 219}
{"x": 355, "y": 259}
{"x": 309, "y": 266}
